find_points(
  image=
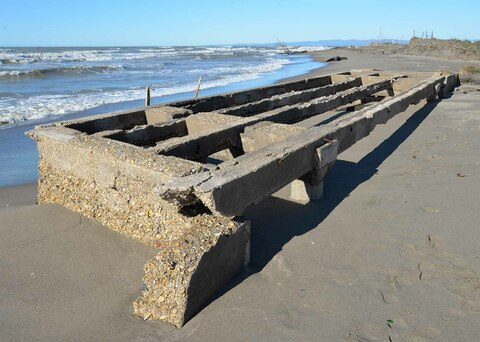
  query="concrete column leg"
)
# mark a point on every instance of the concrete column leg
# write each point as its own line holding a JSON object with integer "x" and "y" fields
{"x": 390, "y": 91}
{"x": 304, "y": 192}
{"x": 434, "y": 96}
{"x": 184, "y": 275}
{"x": 310, "y": 186}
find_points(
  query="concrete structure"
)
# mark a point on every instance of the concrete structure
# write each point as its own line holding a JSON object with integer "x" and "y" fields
{"x": 179, "y": 176}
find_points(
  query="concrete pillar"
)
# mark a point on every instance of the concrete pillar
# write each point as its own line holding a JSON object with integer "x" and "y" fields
{"x": 434, "y": 96}
{"x": 185, "y": 275}
{"x": 310, "y": 186}
{"x": 304, "y": 192}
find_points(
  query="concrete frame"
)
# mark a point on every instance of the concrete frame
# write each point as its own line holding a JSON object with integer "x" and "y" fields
{"x": 146, "y": 172}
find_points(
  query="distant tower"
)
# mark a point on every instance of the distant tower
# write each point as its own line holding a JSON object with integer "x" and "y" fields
{"x": 381, "y": 38}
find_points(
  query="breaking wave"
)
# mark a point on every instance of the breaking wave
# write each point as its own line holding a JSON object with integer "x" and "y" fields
{"x": 78, "y": 69}
{"x": 53, "y": 82}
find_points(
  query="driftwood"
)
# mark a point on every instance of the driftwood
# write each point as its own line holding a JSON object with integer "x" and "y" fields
{"x": 285, "y": 48}
{"x": 336, "y": 59}
{"x": 287, "y": 51}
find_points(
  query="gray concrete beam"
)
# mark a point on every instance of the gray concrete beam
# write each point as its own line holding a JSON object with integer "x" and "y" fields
{"x": 149, "y": 135}
{"x": 291, "y": 98}
{"x": 203, "y": 144}
{"x": 215, "y": 102}
{"x": 310, "y": 186}
{"x": 236, "y": 184}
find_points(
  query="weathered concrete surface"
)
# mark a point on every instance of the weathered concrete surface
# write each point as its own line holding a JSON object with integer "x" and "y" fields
{"x": 201, "y": 145}
{"x": 234, "y": 185}
{"x": 109, "y": 182}
{"x": 148, "y": 135}
{"x": 310, "y": 186}
{"x": 290, "y": 98}
{"x": 104, "y": 168}
{"x": 266, "y": 133}
{"x": 184, "y": 275}
{"x": 216, "y": 102}
{"x": 159, "y": 114}
{"x": 206, "y": 121}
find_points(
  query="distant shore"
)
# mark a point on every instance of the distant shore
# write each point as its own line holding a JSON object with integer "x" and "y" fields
{"x": 361, "y": 58}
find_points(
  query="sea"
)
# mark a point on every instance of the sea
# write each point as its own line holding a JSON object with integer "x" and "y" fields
{"x": 39, "y": 83}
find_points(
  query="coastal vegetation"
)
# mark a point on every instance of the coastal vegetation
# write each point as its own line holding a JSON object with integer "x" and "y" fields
{"x": 445, "y": 48}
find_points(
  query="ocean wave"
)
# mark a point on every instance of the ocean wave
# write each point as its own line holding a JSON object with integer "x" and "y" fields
{"x": 16, "y": 57}
{"x": 16, "y": 109}
{"x": 7, "y": 61}
{"x": 100, "y": 55}
{"x": 9, "y": 56}
{"x": 177, "y": 68}
{"x": 37, "y": 73}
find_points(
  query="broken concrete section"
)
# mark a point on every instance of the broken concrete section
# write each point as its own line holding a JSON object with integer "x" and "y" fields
{"x": 184, "y": 275}
{"x": 180, "y": 176}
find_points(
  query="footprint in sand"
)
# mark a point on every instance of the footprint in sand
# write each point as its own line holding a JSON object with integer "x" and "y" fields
{"x": 368, "y": 332}
{"x": 435, "y": 156}
{"x": 388, "y": 296}
{"x": 433, "y": 241}
{"x": 282, "y": 266}
{"x": 453, "y": 314}
{"x": 397, "y": 281}
{"x": 433, "y": 264}
{"x": 426, "y": 332}
{"x": 428, "y": 209}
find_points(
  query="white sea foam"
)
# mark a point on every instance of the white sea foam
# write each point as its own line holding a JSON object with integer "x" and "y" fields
{"x": 5, "y": 74}
{"x": 18, "y": 108}
{"x": 9, "y": 57}
{"x": 122, "y": 74}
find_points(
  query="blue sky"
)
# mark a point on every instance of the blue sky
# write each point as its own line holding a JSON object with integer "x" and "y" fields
{"x": 187, "y": 22}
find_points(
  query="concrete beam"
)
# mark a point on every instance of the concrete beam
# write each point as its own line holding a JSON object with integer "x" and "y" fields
{"x": 202, "y": 122}
{"x": 265, "y": 133}
{"x": 213, "y": 103}
{"x": 165, "y": 114}
{"x": 126, "y": 119}
{"x": 149, "y": 135}
{"x": 248, "y": 179}
{"x": 290, "y": 98}
{"x": 203, "y": 144}
{"x": 310, "y": 186}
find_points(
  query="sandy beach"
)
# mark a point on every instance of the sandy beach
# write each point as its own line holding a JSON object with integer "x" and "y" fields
{"x": 390, "y": 253}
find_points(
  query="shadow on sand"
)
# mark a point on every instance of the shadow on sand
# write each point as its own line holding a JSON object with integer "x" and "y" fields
{"x": 276, "y": 221}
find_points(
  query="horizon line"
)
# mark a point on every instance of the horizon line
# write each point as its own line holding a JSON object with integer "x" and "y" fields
{"x": 215, "y": 44}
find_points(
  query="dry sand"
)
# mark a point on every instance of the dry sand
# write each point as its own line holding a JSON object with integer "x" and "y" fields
{"x": 396, "y": 238}
{"x": 360, "y": 59}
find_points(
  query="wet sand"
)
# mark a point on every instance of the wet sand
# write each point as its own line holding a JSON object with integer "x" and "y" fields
{"x": 395, "y": 238}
